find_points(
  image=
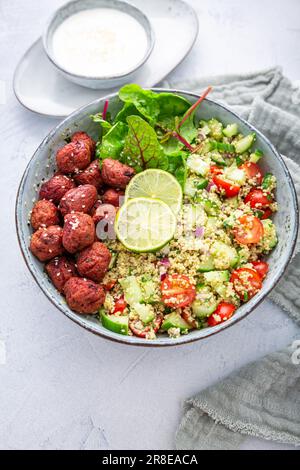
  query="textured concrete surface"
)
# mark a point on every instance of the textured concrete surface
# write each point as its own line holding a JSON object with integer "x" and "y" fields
{"x": 61, "y": 387}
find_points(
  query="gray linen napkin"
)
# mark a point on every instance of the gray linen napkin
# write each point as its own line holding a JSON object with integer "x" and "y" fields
{"x": 271, "y": 103}
{"x": 261, "y": 399}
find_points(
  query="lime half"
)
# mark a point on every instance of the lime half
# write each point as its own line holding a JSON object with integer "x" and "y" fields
{"x": 156, "y": 184}
{"x": 145, "y": 224}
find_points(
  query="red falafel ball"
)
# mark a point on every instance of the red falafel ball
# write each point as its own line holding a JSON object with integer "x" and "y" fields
{"x": 80, "y": 199}
{"x": 93, "y": 261}
{"x": 113, "y": 196}
{"x": 84, "y": 296}
{"x": 115, "y": 173}
{"x": 78, "y": 231}
{"x": 46, "y": 243}
{"x": 55, "y": 188}
{"x": 83, "y": 136}
{"x": 44, "y": 214}
{"x": 73, "y": 157}
{"x": 60, "y": 270}
{"x": 91, "y": 175}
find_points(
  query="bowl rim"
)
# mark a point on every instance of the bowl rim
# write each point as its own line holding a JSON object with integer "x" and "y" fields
{"x": 166, "y": 342}
{"x": 117, "y": 3}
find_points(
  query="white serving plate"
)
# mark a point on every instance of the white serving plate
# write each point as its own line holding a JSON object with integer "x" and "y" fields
{"x": 41, "y": 89}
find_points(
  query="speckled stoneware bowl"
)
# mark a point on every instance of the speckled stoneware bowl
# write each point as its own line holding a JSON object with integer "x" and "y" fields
{"x": 101, "y": 82}
{"x": 42, "y": 165}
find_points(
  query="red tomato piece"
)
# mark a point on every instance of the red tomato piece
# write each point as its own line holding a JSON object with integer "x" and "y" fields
{"x": 215, "y": 170}
{"x": 110, "y": 284}
{"x": 258, "y": 199}
{"x": 266, "y": 213}
{"x": 222, "y": 313}
{"x": 249, "y": 230}
{"x": 261, "y": 267}
{"x": 120, "y": 305}
{"x": 230, "y": 188}
{"x": 246, "y": 282}
{"x": 177, "y": 291}
{"x": 253, "y": 172}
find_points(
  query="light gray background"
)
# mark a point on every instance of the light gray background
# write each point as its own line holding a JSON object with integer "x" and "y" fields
{"x": 61, "y": 387}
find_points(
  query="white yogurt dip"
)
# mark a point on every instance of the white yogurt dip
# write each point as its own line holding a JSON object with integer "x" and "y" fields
{"x": 100, "y": 42}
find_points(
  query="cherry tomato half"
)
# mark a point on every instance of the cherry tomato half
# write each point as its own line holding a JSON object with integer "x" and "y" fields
{"x": 230, "y": 188}
{"x": 246, "y": 282}
{"x": 249, "y": 230}
{"x": 177, "y": 291}
{"x": 223, "y": 311}
{"x": 261, "y": 267}
{"x": 142, "y": 333}
{"x": 265, "y": 213}
{"x": 253, "y": 172}
{"x": 215, "y": 170}
{"x": 120, "y": 305}
{"x": 110, "y": 284}
{"x": 258, "y": 199}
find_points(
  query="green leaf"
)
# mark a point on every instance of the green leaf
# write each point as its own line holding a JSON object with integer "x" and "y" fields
{"x": 128, "y": 109}
{"x": 171, "y": 105}
{"x": 105, "y": 124}
{"x": 145, "y": 101}
{"x": 112, "y": 142}
{"x": 177, "y": 166}
{"x": 142, "y": 149}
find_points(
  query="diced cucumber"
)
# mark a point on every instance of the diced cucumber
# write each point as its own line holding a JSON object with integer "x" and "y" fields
{"x": 235, "y": 174}
{"x": 269, "y": 239}
{"x": 205, "y": 302}
{"x": 245, "y": 143}
{"x": 202, "y": 183}
{"x": 216, "y": 128}
{"x": 231, "y": 130}
{"x": 113, "y": 260}
{"x": 225, "y": 256}
{"x": 217, "y": 158}
{"x": 255, "y": 156}
{"x": 210, "y": 207}
{"x": 145, "y": 312}
{"x": 267, "y": 181}
{"x": 232, "y": 202}
{"x": 196, "y": 164}
{"x": 205, "y": 130}
{"x": 148, "y": 290}
{"x": 230, "y": 221}
{"x": 206, "y": 265}
{"x": 216, "y": 277}
{"x": 194, "y": 216}
{"x": 211, "y": 224}
{"x": 221, "y": 146}
{"x": 132, "y": 290}
{"x": 114, "y": 323}
{"x": 190, "y": 186}
{"x": 174, "y": 320}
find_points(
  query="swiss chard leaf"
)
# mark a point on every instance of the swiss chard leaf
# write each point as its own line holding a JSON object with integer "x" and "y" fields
{"x": 145, "y": 101}
{"x": 112, "y": 142}
{"x": 142, "y": 149}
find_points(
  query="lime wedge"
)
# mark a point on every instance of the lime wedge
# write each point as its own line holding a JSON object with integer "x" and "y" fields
{"x": 145, "y": 224}
{"x": 156, "y": 184}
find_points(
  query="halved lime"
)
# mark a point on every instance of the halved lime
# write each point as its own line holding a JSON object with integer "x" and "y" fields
{"x": 156, "y": 184}
{"x": 145, "y": 224}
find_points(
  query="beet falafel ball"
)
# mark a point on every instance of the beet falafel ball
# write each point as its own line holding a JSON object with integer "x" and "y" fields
{"x": 91, "y": 175}
{"x": 60, "y": 270}
{"x": 46, "y": 243}
{"x": 81, "y": 199}
{"x": 73, "y": 157}
{"x": 84, "y": 296}
{"x": 44, "y": 214}
{"x": 56, "y": 187}
{"x": 113, "y": 196}
{"x": 83, "y": 136}
{"x": 115, "y": 173}
{"x": 78, "y": 231}
{"x": 93, "y": 261}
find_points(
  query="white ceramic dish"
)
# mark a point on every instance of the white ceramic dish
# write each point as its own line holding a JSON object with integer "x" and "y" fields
{"x": 77, "y": 6}
{"x": 35, "y": 73}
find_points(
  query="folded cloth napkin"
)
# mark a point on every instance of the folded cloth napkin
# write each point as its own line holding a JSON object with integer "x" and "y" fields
{"x": 271, "y": 103}
{"x": 262, "y": 399}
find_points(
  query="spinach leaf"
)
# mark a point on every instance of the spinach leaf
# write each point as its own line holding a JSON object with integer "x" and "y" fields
{"x": 171, "y": 105}
{"x": 112, "y": 142}
{"x": 105, "y": 123}
{"x": 142, "y": 149}
{"x": 145, "y": 101}
{"x": 177, "y": 166}
{"x": 128, "y": 109}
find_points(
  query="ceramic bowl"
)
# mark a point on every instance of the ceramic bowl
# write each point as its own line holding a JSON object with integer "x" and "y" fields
{"x": 69, "y": 9}
{"x": 42, "y": 165}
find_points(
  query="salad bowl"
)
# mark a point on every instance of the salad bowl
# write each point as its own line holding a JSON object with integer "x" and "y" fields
{"x": 42, "y": 166}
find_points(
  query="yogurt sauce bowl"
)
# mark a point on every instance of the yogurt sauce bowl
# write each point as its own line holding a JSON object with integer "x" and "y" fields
{"x": 98, "y": 43}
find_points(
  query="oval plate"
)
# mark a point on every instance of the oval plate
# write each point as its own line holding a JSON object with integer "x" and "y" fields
{"x": 40, "y": 88}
